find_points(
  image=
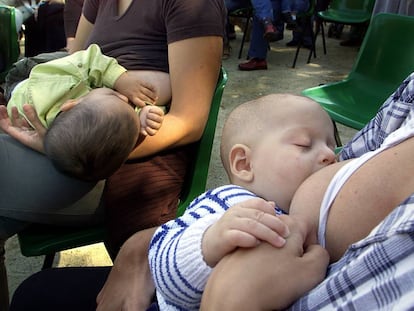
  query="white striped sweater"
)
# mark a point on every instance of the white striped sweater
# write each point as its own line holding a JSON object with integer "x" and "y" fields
{"x": 175, "y": 255}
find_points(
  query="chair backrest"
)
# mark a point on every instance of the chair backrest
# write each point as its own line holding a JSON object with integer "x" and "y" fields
{"x": 348, "y": 11}
{"x": 352, "y": 5}
{"x": 384, "y": 60}
{"x": 9, "y": 42}
{"x": 195, "y": 183}
{"x": 386, "y": 56}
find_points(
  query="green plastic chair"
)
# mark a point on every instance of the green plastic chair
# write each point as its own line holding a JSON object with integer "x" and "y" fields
{"x": 9, "y": 41}
{"x": 39, "y": 240}
{"x": 385, "y": 59}
{"x": 347, "y": 12}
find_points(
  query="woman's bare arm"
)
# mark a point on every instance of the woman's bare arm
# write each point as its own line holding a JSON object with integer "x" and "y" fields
{"x": 265, "y": 277}
{"x": 194, "y": 68}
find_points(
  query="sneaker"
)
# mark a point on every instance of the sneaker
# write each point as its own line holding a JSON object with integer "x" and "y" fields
{"x": 253, "y": 64}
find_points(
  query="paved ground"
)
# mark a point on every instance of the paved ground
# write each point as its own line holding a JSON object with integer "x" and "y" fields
{"x": 242, "y": 86}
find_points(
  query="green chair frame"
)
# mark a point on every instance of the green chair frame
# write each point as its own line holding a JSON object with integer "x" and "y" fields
{"x": 39, "y": 240}
{"x": 383, "y": 62}
{"x": 9, "y": 47}
{"x": 347, "y": 12}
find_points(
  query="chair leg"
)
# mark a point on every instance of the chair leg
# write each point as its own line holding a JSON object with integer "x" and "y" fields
{"x": 246, "y": 27}
{"x": 297, "y": 53}
{"x": 323, "y": 38}
{"x": 4, "y": 287}
{"x": 315, "y": 35}
{"x": 48, "y": 262}
{"x": 337, "y": 137}
{"x": 308, "y": 25}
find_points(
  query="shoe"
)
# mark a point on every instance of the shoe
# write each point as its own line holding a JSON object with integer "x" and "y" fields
{"x": 292, "y": 43}
{"x": 253, "y": 64}
{"x": 295, "y": 43}
{"x": 271, "y": 34}
{"x": 351, "y": 42}
{"x": 289, "y": 20}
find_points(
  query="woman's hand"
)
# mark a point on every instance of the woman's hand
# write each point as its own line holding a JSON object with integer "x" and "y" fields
{"x": 265, "y": 277}
{"x": 29, "y": 134}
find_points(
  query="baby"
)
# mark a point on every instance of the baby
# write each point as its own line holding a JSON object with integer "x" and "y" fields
{"x": 269, "y": 146}
{"x": 91, "y": 128}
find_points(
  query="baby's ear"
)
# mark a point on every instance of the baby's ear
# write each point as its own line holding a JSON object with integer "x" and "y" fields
{"x": 69, "y": 104}
{"x": 240, "y": 162}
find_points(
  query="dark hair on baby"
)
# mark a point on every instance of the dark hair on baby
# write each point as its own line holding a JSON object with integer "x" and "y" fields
{"x": 90, "y": 143}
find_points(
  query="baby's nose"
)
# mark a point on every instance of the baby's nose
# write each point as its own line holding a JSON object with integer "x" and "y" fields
{"x": 328, "y": 156}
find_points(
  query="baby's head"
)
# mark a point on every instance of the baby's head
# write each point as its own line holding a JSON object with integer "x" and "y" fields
{"x": 272, "y": 144}
{"x": 93, "y": 137}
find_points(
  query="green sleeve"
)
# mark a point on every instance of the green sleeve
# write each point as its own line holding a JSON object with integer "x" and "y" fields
{"x": 51, "y": 84}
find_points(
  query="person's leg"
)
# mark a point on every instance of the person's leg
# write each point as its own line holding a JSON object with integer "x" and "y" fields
{"x": 264, "y": 13}
{"x": 262, "y": 9}
{"x": 257, "y": 50}
{"x": 130, "y": 282}
{"x": 286, "y": 6}
{"x": 258, "y": 45}
{"x": 144, "y": 194}
{"x": 71, "y": 288}
{"x": 356, "y": 35}
{"x": 232, "y": 5}
{"x": 277, "y": 17}
{"x": 32, "y": 190}
{"x": 33, "y": 41}
{"x": 4, "y": 287}
{"x": 50, "y": 17}
{"x": 302, "y": 30}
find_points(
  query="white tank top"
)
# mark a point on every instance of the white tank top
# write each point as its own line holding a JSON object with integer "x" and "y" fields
{"x": 399, "y": 135}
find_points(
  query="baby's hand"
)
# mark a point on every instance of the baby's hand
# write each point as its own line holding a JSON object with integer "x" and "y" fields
{"x": 138, "y": 92}
{"x": 243, "y": 225}
{"x": 151, "y": 118}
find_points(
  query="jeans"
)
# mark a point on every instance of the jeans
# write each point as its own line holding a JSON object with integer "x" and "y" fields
{"x": 262, "y": 8}
{"x": 258, "y": 45}
{"x": 32, "y": 190}
{"x": 294, "y": 5}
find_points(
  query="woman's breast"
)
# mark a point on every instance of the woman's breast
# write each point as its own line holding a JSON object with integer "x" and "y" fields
{"x": 159, "y": 80}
